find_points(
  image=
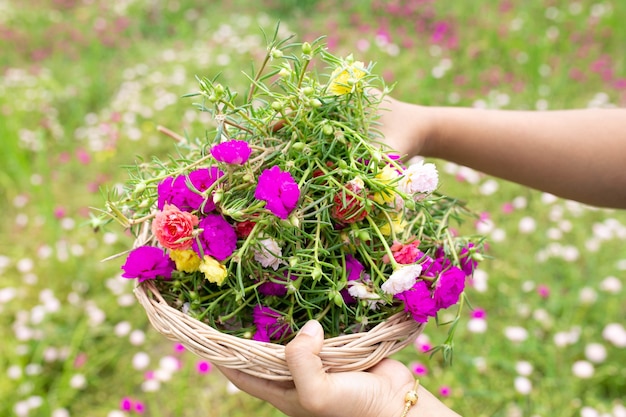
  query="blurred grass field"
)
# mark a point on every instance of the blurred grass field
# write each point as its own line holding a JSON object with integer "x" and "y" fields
{"x": 83, "y": 86}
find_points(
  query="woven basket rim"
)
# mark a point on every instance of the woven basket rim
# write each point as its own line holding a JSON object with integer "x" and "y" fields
{"x": 349, "y": 352}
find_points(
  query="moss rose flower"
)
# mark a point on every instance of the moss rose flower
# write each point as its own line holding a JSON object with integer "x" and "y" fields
{"x": 217, "y": 239}
{"x": 174, "y": 190}
{"x": 234, "y": 152}
{"x": 173, "y": 228}
{"x": 349, "y": 203}
{"x": 147, "y": 262}
{"x": 279, "y": 190}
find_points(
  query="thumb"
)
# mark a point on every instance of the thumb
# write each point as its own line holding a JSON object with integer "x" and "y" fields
{"x": 303, "y": 360}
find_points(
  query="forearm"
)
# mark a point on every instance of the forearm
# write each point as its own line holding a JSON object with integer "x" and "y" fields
{"x": 576, "y": 154}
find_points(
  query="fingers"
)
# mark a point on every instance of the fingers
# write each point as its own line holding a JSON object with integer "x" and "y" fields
{"x": 257, "y": 387}
{"x": 304, "y": 363}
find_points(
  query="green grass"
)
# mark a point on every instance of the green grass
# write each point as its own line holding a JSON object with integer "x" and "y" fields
{"x": 80, "y": 90}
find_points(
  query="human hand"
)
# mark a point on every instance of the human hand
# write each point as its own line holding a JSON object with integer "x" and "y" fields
{"x": 378, "y": 392}
{"x": 406, "y": 128}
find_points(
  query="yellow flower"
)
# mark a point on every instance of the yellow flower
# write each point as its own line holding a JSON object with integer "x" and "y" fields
{"x": 344, "y": 79}
{"x": 213, "y": 270}
{"x": 397, "y": 222}
{"x": 186, "y": 260}
{"x": 386, "y": 176}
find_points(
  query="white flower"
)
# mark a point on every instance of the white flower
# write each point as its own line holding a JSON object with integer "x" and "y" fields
{"x": 269, "y": 254}
{"x": 361, "y": 291}
{"x": 78, "y": 381}
{"x": 402, "y": 279}
{"x": 516, "y": 333}
{"x": 141, "y": 360}
{"x": 611, "y": 285}
{"x": 477, "y": 325}
{"x": 615, "y": 333}
{"x": 583, "y": 369}
{"x": 595, "y": 352}
{"x": 523, "y": 385}
{"x": 524, "y": 368}
{"x": 419, "y": 178}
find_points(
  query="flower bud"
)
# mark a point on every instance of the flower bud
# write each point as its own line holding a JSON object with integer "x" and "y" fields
{"x": 276, "y": 53}
{"x": 217, "y": 196}
{"x": 308, "y": 91}
{"x": 328, "y": 129}
{"x": 364, "y": 236}
{"x": 409, "y": 204}
{"x": 294, "y": 220}
{"x": 219, "y": 90}
{"x": 306, "y": 48}
{"x": 139, "y": 188}
{"x": 338, "y": 299}
{"x": 277, "y": 106}
{"x": 316, "y": 274}
{"x": 315, "y": 103}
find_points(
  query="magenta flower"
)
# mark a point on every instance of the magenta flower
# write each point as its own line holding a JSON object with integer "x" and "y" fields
{"x": 217, "y": 239}
{"x": 175, "y": 191}
{"x": 418, "y": 302}
{"x": 234, "y": 152}
{"x": 354, "y": 271}
{"x": 270, "y": 324}
{"x": 468, "y": 264}
{"x": 148, "y": 262}
{"x": 203, "y": 367}
{"x": 449, "y": 287}
{"x": 278, "y": 287}
{"x": 126, "y": 404}
{"x": 279, "y": 190}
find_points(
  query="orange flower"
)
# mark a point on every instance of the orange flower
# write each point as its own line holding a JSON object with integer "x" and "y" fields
{"x": 173, "y": 228}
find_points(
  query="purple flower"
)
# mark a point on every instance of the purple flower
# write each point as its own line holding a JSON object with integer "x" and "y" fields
{"x": 174, "y": 190}
{"x": 418, "y": 302}
{"x": 468, "y": 264}
{"x": 270, "y": 324}
{"x": 232, "y": 152}
{"x": 277, "y": 287}
{"x": 449, "y": 287}
{"x": 354, "y": 271}
{"x": 279, "y": 190}
{"x": 148, "y": 262}
{"x": 217, "y": 239}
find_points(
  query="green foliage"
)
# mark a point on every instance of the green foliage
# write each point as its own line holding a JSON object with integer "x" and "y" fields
{"x": 78, "y": 102}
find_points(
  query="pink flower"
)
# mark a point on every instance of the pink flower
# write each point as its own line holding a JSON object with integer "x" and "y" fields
{"x": 279, "y": 190}
{"x": 173, "y": 228}
{"x": 148, "y": 262}
{"x": 405, "y": 253}
{"x": 203, "y": 367}
{"x": 449, "y": 287}
{"x": 479, "y": 313}
{"x": 234, "y": 152}
{"x": 418, "y": 302}
{"x": 217, "y": 239}
{"x": 419, "y": 369}
{"x": 126, "y": 404}
{"x": 176, "y": 191}
{"x": 444, "y": 391}
{"x": 270, "y": 324}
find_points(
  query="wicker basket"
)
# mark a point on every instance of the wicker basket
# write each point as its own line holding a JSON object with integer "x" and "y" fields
{"x": 351, "y": 352}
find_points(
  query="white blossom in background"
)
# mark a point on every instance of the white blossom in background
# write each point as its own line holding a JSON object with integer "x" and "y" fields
{"x": 595, "y": 352}
{"x": 78, "y": 381}
{"x": 516, "y": 334}
{"x": 615, "y": 334}
{"x": 524, "y": 368}
{"x": 523, "y": 385}
{"x": 141, "y": 360}
{"x": 476, "y": 325}
{"x": 137, "y": 337}
{"x": 527, "y": 225}
{"x": 611, "y": 285}
{"x": 583, "y": 369}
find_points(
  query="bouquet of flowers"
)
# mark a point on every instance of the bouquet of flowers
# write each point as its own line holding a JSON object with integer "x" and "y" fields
{"x": 289, "y": 209}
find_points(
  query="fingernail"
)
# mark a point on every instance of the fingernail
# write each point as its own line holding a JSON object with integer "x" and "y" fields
{"x": 311, "y": 328}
